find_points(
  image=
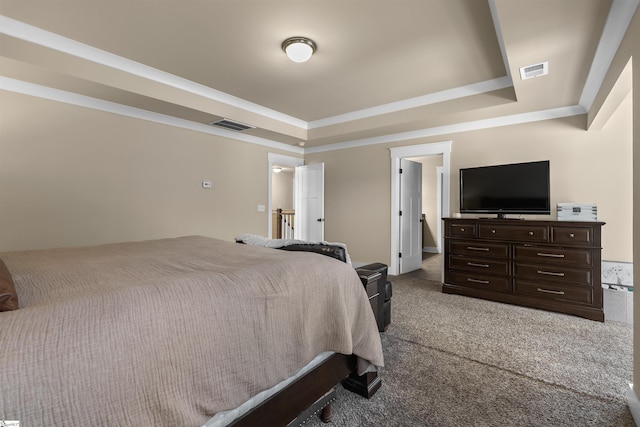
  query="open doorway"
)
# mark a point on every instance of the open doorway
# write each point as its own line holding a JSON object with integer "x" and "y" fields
{"x": 439, "y": 148}
{"x": 431, "y": 202}
{"x": 282, "y": 202}
{"x": 303, "y": 218}
{"x": 281, "y": 189}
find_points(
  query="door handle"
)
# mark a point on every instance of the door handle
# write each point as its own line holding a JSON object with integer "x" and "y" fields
{"x": 320, "y": 219}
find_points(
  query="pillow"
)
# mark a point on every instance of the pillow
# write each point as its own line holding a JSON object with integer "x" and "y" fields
{"x": 8, "y": 294}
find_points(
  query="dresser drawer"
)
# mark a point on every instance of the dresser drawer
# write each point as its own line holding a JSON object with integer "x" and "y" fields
{"x": 572, "y": 235}
{"x": 553, "y": 273}
{"x": 483, "y": 249}
{"x": 461, "y": 229}
{"x": 479, "y": 266}
{"x": 521, "y": 233}
{"x": 550, "y": 255}
{"x": 553, "y": 292}
{"x": 496, "y": 284}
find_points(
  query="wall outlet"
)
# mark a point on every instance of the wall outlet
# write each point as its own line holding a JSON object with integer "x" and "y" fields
{"x": 206, "y": 184}
{"x": 261, "y": 208}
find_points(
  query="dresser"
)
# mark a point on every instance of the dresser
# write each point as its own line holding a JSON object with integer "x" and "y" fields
{"x": 550, "y": 265}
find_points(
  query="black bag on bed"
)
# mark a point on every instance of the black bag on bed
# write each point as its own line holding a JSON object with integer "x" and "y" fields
{"x": 332, "y": 251}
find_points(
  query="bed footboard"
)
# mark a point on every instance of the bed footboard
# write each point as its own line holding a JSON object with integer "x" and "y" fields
{"x": 289, "y": 403}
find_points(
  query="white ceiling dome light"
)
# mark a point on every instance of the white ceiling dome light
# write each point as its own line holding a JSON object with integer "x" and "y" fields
{"x": 299, "y": 49}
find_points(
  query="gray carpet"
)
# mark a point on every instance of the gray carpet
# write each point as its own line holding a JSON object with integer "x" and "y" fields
{"x": 459, "y": 361}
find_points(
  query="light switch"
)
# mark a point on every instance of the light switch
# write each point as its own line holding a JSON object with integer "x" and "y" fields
{"x": 261, "y": 208}
{"x": 206, "y": 184}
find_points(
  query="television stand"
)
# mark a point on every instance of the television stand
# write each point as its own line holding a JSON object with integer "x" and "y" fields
{"x": 501, "y": 218}
{"x": 551, "y": 265}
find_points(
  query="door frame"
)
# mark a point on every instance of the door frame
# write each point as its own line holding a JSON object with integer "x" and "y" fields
{"x": 439, "y": 205}
{"x": 443, "y": 148}
{"x": 280, "y": 160}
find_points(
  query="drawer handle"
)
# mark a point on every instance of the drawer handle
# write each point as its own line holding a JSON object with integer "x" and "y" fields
{"x": 572, "y": 235}
{"x": 493, "y": 231}
{"x": 531, "y": 233}
{"x": 550, "y": 273}
{"x": 550, "y": 255}
{"x": 473, "y": 264}
{"x": 462, "y": 229}
{"x": 484, "y": 282}
{"x": 474, "y": 248}
{"x": 547, "y": 291}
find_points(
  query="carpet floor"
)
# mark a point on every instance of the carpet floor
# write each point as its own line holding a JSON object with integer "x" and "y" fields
{"x": 457, "y": 361}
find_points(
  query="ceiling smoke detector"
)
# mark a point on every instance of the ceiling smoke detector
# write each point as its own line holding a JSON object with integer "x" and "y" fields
{"x": 535, "y": 70}
{"x": 231, "y": 125}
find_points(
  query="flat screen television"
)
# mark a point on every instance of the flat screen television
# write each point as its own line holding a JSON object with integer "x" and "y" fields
{"x": 518, "y": 188}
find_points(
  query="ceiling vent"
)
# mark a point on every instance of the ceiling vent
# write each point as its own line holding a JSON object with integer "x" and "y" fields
{"x": 231, "y": 125}
{"x": 535, "y": 70}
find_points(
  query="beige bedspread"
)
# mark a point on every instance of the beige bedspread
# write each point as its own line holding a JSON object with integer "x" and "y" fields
{"x": 169, "y": 332}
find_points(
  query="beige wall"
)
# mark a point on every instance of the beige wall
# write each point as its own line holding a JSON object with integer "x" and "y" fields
{"x": 586, "y": 167}
{"x": 75, "y": 176}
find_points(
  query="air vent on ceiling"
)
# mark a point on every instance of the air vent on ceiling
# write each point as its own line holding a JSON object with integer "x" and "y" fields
{"x": 231, "y": 125}
{"x": 534, "y": 70}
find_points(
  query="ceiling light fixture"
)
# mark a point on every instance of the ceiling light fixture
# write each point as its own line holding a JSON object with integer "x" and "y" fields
{"x": 277, "y": 169}
{"x": 299, "y": 49}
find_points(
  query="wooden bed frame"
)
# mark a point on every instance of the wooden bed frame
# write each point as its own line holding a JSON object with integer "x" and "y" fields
{"x": 311, "y": 393}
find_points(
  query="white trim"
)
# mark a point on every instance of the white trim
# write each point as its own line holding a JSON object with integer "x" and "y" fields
{"x": 634, "y": 404}
{"x": 430, "y": 249}
{"x": 439, "y": 183}
{"x": 31, "y": 89}
{"x": 398, "y": 153}
{"x": 280, "y": 160}
{"x": 418, "y": 101}
{"x": 498, "y": 30}
{"x": 616, "y": 26}
{"x": 513, "y": 119}
{"x": 26, "y": 88}
{"x": 31, "y": 34}
{"x": 614, "y": 30}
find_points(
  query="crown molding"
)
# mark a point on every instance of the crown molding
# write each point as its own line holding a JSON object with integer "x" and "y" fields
{"x": 615, "y": 27}
{"x": 513, "y": 119}
{"x": 31, "y": 89}
{"x": 418, "y": 101}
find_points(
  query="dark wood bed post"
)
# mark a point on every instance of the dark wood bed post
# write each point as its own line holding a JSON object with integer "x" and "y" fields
{"x": 326, "y": 415}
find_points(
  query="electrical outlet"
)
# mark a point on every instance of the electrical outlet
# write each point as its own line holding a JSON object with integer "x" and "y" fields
{"x": 206, "y": 184}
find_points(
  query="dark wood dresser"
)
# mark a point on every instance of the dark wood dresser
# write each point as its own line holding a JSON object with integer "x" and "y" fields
{"x": 551, "y": 265}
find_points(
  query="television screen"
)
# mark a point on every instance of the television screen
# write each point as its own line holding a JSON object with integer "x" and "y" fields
{"x": 519, "y": 188}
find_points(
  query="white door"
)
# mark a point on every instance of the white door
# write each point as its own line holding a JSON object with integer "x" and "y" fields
{"x": 309, "y": 201}
{"x": 410, "y": 216}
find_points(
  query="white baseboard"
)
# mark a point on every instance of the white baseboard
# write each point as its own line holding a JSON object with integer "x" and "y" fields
{"x": 634, "y": 404}
{"x": 430, "y": 249}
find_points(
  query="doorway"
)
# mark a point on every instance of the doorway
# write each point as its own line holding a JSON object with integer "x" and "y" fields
{"x": 431, "y": 202}
{"x": 306, "y": 186}
{"x": 437, "y": 148}
{"x": 287, "y": 163}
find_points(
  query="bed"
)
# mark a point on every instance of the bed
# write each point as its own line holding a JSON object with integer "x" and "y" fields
{"x": 174, "y": 331}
